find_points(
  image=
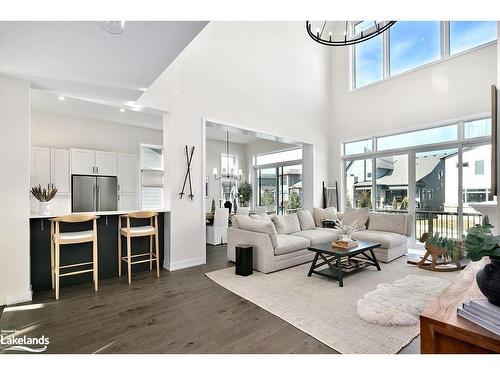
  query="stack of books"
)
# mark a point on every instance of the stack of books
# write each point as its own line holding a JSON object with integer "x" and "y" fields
{"x": 482, "y": 313}
{"x": 345, "y": 244}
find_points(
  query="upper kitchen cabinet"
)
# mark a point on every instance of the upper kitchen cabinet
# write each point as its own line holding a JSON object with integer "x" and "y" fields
{"x": 105, "y": 163}
{"x": 82, "y": 161}
{"x": 50, "y": 166}
{"x": 87, "y": 162}
{"x": 126, "y": 172}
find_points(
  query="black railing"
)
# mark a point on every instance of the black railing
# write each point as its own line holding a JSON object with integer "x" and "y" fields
{"x": 442, "y": 222}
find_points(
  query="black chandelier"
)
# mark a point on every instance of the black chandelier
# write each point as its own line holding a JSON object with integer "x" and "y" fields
{"x": 354, "y": 32}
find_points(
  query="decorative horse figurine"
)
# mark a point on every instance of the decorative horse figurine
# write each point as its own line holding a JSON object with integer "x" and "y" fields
{"x": 434, "y": 252}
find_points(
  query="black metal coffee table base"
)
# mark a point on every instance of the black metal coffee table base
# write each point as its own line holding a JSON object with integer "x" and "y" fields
{"x": 342, "y": 262}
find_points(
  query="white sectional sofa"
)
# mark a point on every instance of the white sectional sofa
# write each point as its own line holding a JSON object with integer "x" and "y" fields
{"x": 281, "y": 241}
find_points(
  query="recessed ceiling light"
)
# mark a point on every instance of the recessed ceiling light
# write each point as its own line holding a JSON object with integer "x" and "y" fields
{"x": 62, "y": 97}
{"x": 122, "y": 110}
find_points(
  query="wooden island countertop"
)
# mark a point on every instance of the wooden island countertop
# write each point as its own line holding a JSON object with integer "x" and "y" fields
{"x": 442, "y": 331}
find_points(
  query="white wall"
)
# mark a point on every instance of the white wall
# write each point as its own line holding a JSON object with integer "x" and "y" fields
{"x": 14, "y": 183}
{"x": 62, "y": 131}
{"x": 449, "y": 89}
{"x": 265, "y": 76}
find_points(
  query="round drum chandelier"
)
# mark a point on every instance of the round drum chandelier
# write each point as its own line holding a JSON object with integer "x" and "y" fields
{"x": 352, "y": 32}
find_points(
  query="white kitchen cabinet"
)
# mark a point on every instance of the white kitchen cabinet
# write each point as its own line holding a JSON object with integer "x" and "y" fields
{"x": 126, "y": 171}
{"x": 105, "y": 163}
{"x": 40, "y": 166}
{"x": 127, "y": 201}
{"x": 82, "y": 161}
{"x": 59, "y": 169}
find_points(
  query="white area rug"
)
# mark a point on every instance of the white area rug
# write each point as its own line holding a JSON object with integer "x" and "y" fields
{"x": 400, "y": 303}
{"x": 319, "y": 307}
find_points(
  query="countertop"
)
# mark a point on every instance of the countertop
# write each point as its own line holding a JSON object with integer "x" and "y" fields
{"x": 98, "y": 213}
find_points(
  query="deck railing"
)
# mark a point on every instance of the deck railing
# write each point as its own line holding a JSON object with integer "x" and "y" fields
{"x": 442, "y": 222}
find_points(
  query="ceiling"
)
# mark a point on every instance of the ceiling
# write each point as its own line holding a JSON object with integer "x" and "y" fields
{"x": 81, "y": 60}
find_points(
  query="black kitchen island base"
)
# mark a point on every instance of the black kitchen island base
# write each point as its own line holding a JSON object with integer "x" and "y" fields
{"x": 107, "y": 243}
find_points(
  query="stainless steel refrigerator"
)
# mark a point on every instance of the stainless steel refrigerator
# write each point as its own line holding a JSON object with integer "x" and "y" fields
{"x": 93, "y": 193}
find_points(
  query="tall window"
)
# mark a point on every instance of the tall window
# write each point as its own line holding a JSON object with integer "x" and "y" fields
{"x": 411, "y": 44}
{"x": 151, "y": 177}
{"x": 413, "y": 172}
{"x": 279, "y": 181}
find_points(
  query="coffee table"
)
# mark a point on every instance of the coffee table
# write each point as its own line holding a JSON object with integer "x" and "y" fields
{"x": 342, "y": 262}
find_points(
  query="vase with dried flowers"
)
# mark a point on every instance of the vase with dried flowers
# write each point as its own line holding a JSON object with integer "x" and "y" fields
{"x": 346, "y": 230}
{"x": 44, "y": 196}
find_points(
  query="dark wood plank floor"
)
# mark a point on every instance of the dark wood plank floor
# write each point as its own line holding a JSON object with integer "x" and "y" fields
{"x": 181, "y": 312}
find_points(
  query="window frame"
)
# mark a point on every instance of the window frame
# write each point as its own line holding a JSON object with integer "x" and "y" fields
{"x": 444, "y": 47}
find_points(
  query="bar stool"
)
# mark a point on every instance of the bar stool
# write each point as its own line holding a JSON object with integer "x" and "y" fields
{"x": 58, "y": 238}
{"x": 129, "y": 232}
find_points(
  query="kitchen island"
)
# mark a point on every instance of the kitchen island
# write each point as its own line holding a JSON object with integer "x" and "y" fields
{"x": 107, "y": 243}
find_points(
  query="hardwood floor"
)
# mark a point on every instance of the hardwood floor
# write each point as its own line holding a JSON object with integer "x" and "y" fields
{"x": 181, "y": 312}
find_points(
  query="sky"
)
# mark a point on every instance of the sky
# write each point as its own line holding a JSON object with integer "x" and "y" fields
{"x": 414, "y": 43}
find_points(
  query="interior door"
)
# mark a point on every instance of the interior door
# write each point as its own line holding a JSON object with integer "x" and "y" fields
{"x": 105, "y": 163}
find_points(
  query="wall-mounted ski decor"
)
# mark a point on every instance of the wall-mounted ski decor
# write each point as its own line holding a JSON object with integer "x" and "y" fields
{"x": 189, "y": 159}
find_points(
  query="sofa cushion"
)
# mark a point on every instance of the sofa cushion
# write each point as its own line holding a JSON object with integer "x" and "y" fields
{"x": 286, "y": 224}
{"x": 234, "y": 221}
{"x": 387, "y": 222}
{"x": 306, "y": 219}
{"x": 317, "y": 236}
{"x": 387, "y": 240}
{"x": 262, "y": 217}
{"x": 321, "y": 214}
{"x": 289, "y": 244}
{"x": 356, "y": 214}
{"x": 247, "y": 223}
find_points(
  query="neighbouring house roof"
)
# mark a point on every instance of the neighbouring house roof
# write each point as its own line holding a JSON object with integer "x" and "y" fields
{"x": 397, "y": 167}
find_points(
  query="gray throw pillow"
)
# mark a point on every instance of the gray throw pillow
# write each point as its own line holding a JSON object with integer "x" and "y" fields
{"x": 321, "y": 214}
{"x": 306, "y": 220}
{"x": 356, "y": 214}
{"x": 286, "y": 224}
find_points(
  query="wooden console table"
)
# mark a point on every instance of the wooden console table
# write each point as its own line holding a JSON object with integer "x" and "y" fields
{"x": 442, "y": 331}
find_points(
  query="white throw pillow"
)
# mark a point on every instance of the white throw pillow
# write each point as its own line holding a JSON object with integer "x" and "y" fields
{"x": 321, "y": 214}
{"x": 306, "y": 220}
{"x": 286, "y": 224}
{"x": 356, "y": 214}
{"x": 262, "y": 217}
{"x": 247, "y": 223}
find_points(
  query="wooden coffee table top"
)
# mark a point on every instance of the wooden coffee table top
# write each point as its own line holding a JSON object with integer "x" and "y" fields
{"x": 332, "y": 250}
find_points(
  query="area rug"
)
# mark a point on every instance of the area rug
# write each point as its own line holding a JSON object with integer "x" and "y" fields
{"x": 320, "y": 308}
{"x": 400, "y": 303}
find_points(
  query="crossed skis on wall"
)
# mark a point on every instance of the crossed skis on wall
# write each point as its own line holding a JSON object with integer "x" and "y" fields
{"x": 189, "y": 159}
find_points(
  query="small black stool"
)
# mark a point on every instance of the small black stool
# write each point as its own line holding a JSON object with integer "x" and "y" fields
{"x": 244, "y": 260}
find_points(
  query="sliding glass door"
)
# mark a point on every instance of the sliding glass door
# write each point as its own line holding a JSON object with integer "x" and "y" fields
{"x": 268, "y": 188}
{"x": 280, "y": 188}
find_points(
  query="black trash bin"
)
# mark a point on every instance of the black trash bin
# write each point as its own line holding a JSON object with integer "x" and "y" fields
{"x": 244, "y": 260}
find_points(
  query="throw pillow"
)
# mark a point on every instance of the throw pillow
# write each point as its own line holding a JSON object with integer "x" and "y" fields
{"x": 356, "y": 214}
{"x": 262, "y": 217}
{"x": 332, "y": 224}
{"x": 247, "y": 223}
{"x": 321, "y": 214}
{"x": 306, "y": 220}
{"x": 286, "y": 224}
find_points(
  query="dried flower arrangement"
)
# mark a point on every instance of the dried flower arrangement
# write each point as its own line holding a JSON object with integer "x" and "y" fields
{"x": 44, "y": 194}
{"x": 347, "y": 230}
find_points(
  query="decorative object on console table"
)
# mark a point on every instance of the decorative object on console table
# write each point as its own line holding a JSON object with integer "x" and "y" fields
{"x": 228, "y": 205}
{"x": 244, "y": 260}
{"x": 189, "y": 159}
{"x": 44, "y": 196}
{"x": 480, "y": 243}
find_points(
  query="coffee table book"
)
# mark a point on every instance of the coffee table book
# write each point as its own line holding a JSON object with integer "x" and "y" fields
{"x": 345, "y": 244}
{"x": 483, "y": 316}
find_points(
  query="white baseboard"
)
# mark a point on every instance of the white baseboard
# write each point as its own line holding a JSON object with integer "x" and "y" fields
{"x": 174, "y": 266}
{"x": 19, "y": 298}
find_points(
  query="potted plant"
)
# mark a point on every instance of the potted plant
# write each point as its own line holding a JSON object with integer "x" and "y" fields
{"x": 479, "y": 243}
{"x": 44, "y": 196}
{"x": 245, "y": 193}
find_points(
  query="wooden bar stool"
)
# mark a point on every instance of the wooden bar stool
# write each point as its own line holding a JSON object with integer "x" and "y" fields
{"x": 130, "y": 232}
{"x": 59, "y": 238}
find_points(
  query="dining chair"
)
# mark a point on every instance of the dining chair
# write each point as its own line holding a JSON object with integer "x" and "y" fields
{"x": 217, "y": 233}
